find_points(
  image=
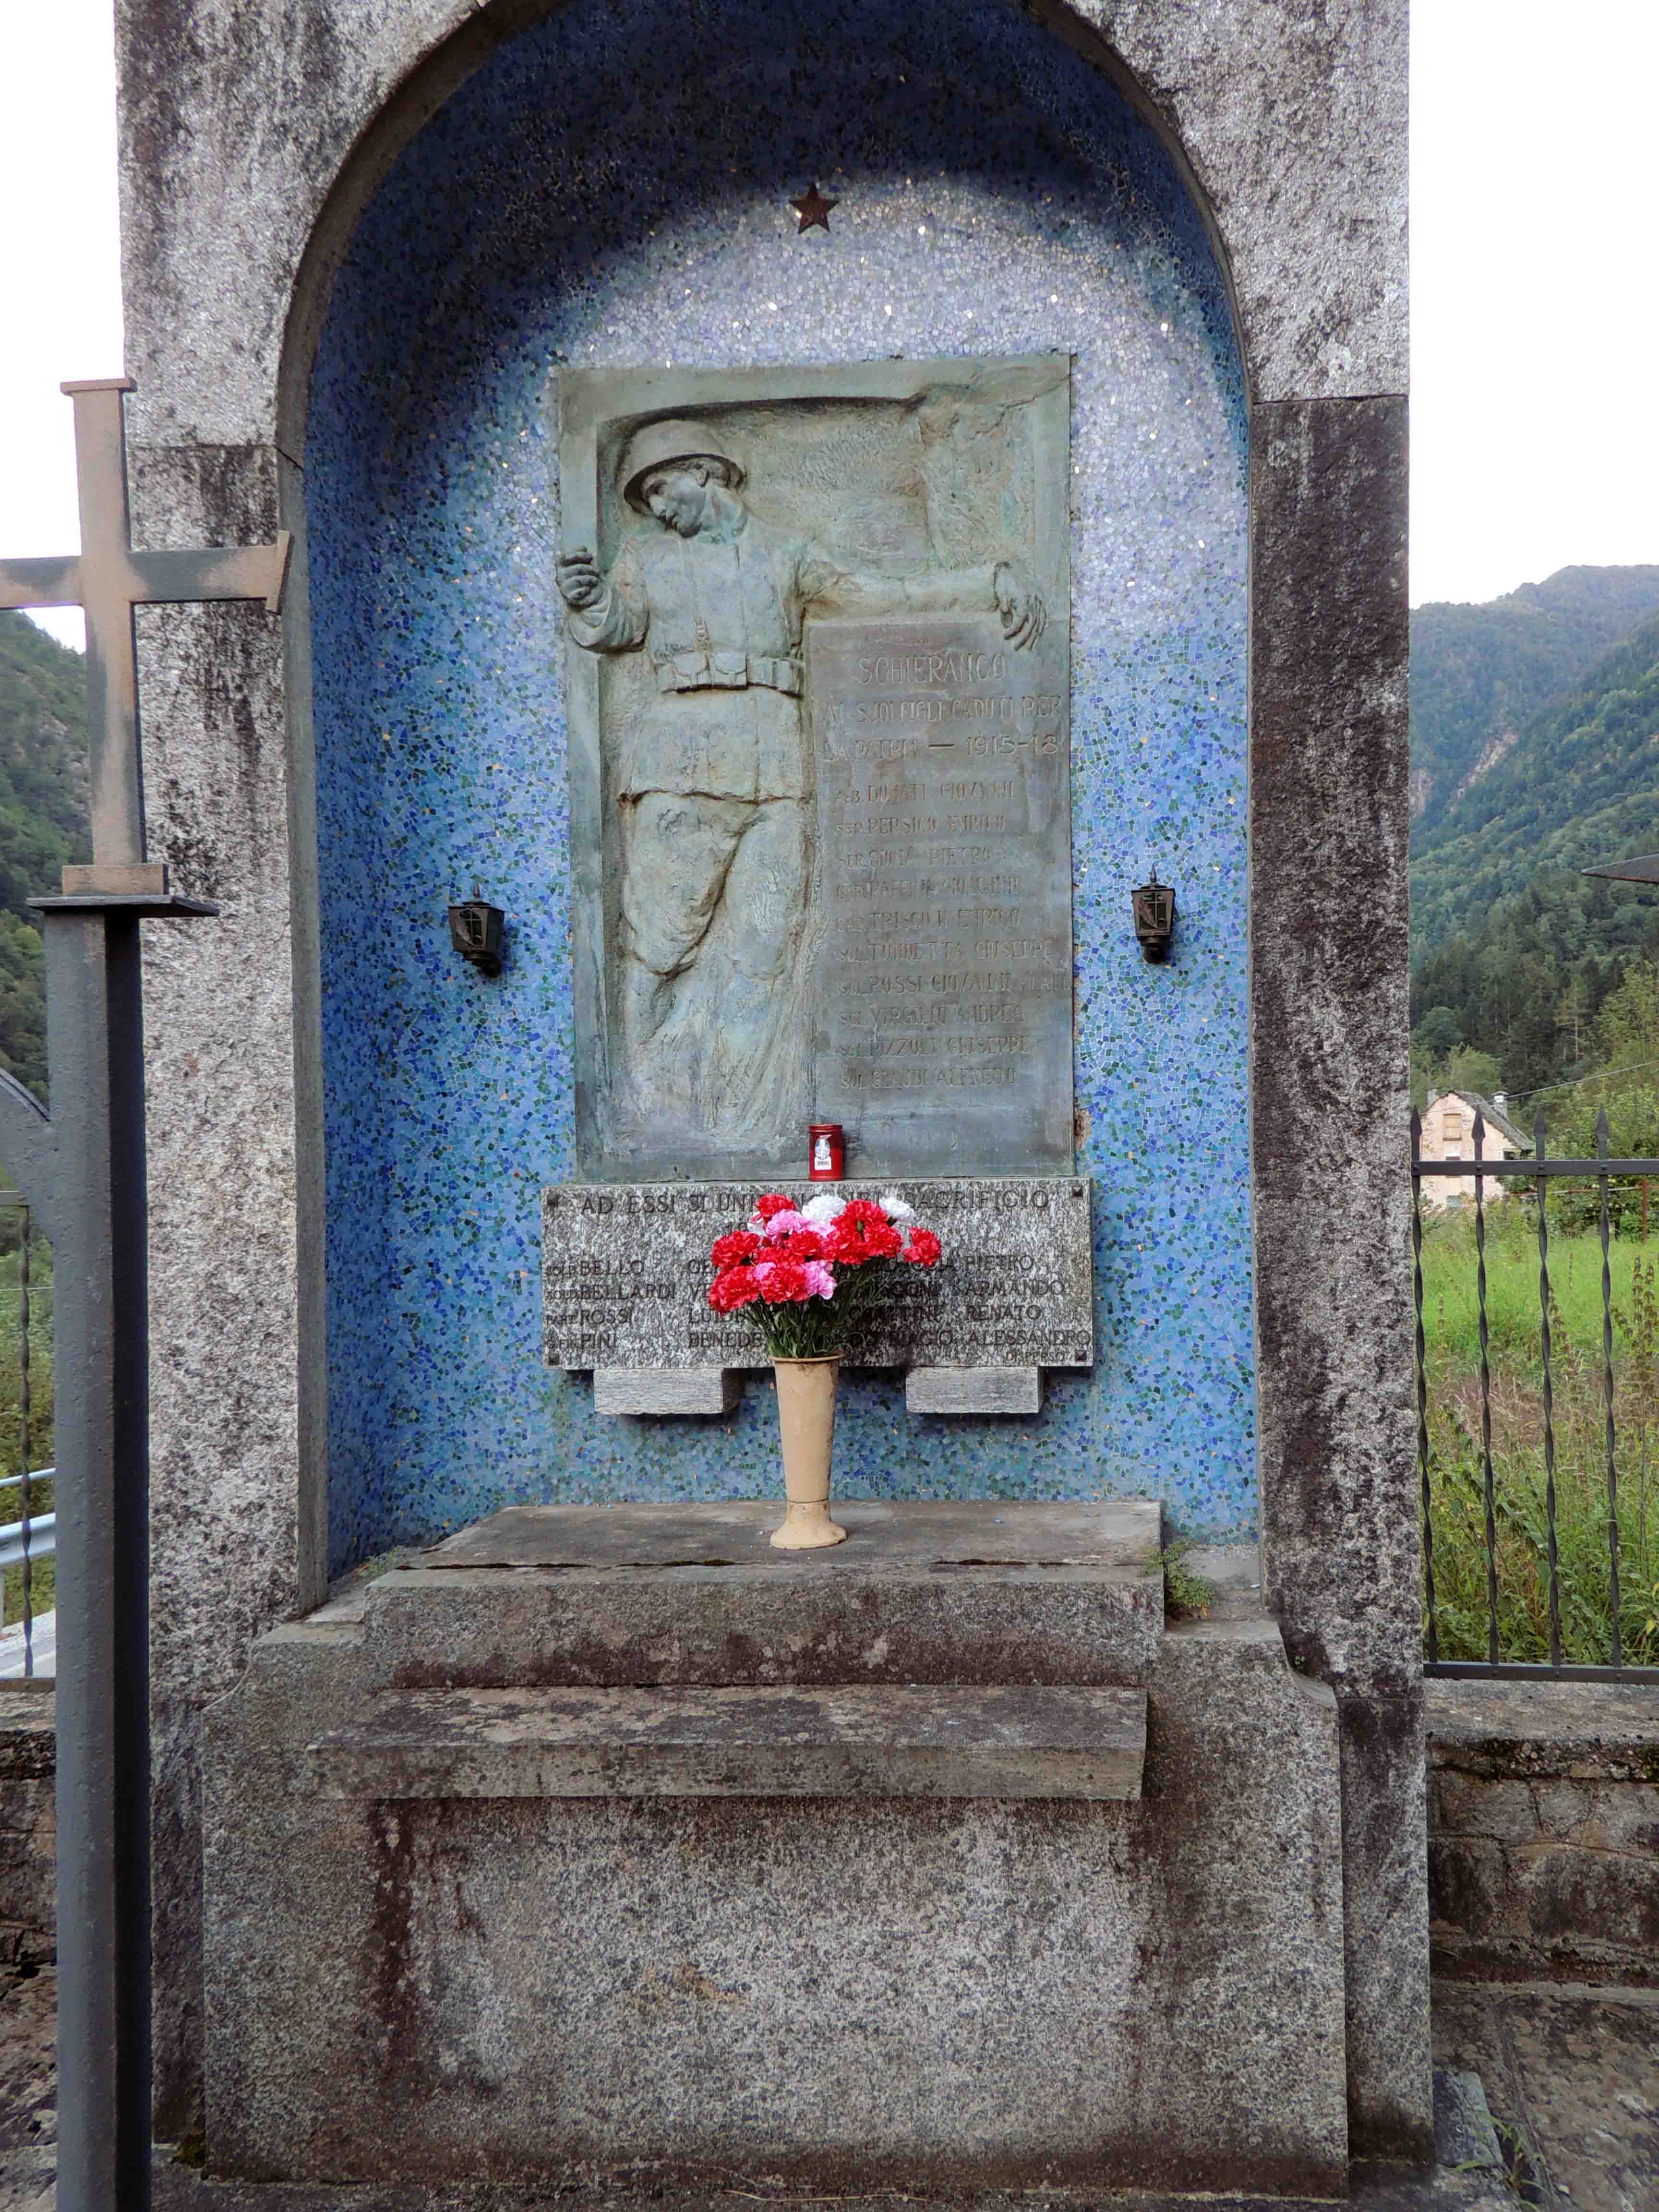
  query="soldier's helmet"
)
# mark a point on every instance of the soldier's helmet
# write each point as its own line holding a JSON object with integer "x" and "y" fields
{"x": 659, "y": 445}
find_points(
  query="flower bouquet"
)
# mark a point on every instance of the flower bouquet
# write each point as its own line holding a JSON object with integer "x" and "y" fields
{"x": 807, "y": 1276}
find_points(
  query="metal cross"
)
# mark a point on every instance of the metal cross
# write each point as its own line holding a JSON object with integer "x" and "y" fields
{"x": 108, "y": 579}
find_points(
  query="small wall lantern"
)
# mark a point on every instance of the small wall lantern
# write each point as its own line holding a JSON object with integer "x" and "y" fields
{"x": 475, "y": 931}
{"x": 1154, "y": 909}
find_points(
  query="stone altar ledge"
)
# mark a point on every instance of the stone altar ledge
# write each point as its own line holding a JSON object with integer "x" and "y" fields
{"x": 882, "y": 1537}
{"x": 950, "y": 1742}
{"x": 923, "y": 1591}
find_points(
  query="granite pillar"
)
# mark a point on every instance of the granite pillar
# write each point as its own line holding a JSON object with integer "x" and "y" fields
{"x": 1329, "y": 976}
{"x": 230, "y": 1551}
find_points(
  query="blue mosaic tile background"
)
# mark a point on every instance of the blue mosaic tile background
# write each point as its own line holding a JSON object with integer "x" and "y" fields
{"x": 612, "y": 187}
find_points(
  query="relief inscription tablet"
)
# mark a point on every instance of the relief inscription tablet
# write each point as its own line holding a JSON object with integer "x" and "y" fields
{"x": 724, "y": 534}
{"x": 942, "y": 993}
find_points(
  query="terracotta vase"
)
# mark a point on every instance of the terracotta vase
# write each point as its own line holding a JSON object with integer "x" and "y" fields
{"x": 806, "y": 1429}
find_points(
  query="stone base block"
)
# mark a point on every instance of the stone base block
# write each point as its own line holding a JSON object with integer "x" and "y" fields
{"x": 974, "y": 1390}
{"x": 667, "y": 1389}
{"x": 424, "y": 1962}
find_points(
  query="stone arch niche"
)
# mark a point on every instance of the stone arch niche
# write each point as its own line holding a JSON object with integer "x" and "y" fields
{"x": 340, "y": 313}
{"x": 612, "y": 190}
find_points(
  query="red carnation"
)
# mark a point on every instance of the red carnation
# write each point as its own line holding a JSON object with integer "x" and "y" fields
{"x": 802, "y": 1244}
{"x": 861, "y": 1233}
{"x": 733, "y": 1289}
{"x": 773, "y": 1202}
{"x": 843, "y": 1246}
{"x": 782, "y": 1282}
{"x": 864, "y": 1211}
{"x": 924, "y": 1248}
{"x": 731, "y": 1250}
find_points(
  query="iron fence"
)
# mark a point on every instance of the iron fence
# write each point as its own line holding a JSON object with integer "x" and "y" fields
{"x": 30, "y": 1538}
{"x": 1499, "y": 1527}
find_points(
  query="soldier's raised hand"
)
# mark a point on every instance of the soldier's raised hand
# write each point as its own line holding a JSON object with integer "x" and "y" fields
{"x": 1025, "y": 617}
{"x": 578, "y": 578}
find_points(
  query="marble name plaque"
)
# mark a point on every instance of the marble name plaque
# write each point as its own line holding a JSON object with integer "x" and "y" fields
{"x": 625, "y": 1276}
{"x": 942, "y": 992}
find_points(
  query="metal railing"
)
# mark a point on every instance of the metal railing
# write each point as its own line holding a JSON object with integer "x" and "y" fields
{"x": 1513, "y": 1544}
{"x": 32, "y": 1536}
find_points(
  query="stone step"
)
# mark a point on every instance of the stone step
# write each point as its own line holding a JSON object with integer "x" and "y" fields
{"x": 935, "y": 1743}
{"x": 921, "y": 1591}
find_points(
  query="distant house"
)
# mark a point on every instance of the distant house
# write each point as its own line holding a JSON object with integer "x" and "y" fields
{"x": 1449, "y": 1134}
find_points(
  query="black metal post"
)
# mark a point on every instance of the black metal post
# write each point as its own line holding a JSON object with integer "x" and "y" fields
{"x": 1488, "y": 1486}
{"x": 24, "y": 1498}
{"x": 82, "y": 1172}
{"x": 1539, "y": 1139}
{"x": 1424, "y": 1484}
{"x": 96, "y": 1056}
{"x": 1617, "y": 1653}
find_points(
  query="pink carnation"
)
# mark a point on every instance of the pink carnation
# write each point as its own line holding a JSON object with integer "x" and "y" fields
{"x": 820, "y": 1279}
{"x": 785, "y": 1224}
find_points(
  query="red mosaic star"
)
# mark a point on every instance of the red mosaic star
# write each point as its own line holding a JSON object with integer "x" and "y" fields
{"x": 813, "y": 208}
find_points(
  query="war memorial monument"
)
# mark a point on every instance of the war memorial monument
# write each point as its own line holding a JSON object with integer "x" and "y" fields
{"x": 798, "y": 514}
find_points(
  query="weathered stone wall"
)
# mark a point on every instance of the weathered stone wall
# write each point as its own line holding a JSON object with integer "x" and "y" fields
{"x": 28, "y": 1832}
{"x": 1543, "y": 1832}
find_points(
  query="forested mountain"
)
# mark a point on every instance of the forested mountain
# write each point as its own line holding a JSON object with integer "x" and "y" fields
{"x": 1514, "y": 950}
{"x": 1579, "y": 785}
{"x": 1480, "y": 674}
{"x": 43, "y": 821}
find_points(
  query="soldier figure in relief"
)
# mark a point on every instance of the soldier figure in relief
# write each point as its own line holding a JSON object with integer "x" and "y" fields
{"x": 715, "y": 776}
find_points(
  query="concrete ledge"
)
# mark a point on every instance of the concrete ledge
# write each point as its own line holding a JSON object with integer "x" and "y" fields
{"x": 544, "y": 1597}
{"x": 934, "y": 1742}
{"x": 1592, "y": 1731}
{"x": 974, "y": 1390}
{"x": 667, "y": 1389}
{"x": 1544, "y": 1831}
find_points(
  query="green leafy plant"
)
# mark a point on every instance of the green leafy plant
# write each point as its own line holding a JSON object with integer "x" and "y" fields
{"x": 1186, "y": 1595}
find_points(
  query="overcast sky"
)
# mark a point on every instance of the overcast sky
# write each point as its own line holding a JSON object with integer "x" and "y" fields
{"x": 1534, "y": 309}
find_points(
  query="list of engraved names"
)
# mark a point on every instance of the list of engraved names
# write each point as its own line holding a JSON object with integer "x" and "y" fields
{"x": 944, "y": 985}
{"x": 625, "y": 1275}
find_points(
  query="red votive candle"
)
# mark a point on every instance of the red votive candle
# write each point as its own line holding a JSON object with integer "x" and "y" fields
{"x": 826, "y": 1151}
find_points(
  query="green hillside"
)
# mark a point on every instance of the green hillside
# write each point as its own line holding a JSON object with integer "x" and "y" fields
{"x": 1514, "y": 950}
{"x": 1580, "y": 783}
{"x": 43, "y": 821}
{"x": 1481, "y": 674}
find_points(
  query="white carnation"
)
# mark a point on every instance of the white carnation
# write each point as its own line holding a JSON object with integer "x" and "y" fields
{"x": 824, "y": 1209}
{"x": 895, "y": 1207}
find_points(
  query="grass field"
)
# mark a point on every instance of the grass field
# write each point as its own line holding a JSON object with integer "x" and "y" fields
{"x": 43, "y": 1575}
{"x": 1452, "y": 1361}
